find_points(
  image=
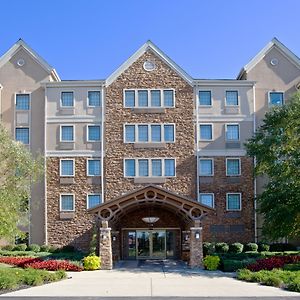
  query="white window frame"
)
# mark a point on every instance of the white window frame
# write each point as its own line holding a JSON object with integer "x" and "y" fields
{"x": 212, "y": 132}
{"x": 87, "y": 167}
{"x": 240, "y": 194}
{"x": 87, "y": 133}
{"x": 87, "y": 98}
{"x": 22, "y": 110}
{"x": 60, "y": 101}
{"x": 240, "y": 167}
{"x": 213, "y": 166}
{"x": 67, "y": 194}
{"x": 239, "y": 132}
{"x": 149, "y": 98}
{"x": 213, "y": 199}
{"x": 60, "y": 133}
{"x": 136, "y": 131}
{"x": 238, "y": 98}
{"x": 29, "y": 131}
{"x": 60, "y": 168}
{"x": 269, "y": 98}
{"x": 92, "y": 194}
{"x": 211, "y": 98}
{"x": 136, "y": 159}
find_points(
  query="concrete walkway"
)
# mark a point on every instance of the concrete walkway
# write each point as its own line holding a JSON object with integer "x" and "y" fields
{"x": 150, "y": 279}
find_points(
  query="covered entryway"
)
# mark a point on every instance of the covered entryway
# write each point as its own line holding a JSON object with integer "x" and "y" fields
{"x": 151, "y": 223}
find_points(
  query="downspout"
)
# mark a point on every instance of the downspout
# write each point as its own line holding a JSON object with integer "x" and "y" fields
{"x": 254, "y": 179}
{"x": 102, "y": 143}
{"x": 197, "y": 145}
{"x": 45, "y": 164}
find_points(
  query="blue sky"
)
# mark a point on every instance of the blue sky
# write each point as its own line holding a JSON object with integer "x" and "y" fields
{"x": 90, "y": 39}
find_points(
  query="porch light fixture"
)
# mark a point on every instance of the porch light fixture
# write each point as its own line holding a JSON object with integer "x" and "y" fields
{"x": 150, "y": 220}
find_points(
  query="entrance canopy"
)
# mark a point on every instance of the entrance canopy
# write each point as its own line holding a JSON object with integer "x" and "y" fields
{"x": 151, "y": 196}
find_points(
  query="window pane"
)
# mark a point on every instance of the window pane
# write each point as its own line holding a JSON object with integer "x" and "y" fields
{"x": 155, "y": 133}
{"x": 129, "y": 167}
{"x": 143, "y": 167}
{"x": 129, "y": 98}
{"x": 155, "y": 98}
{"x": 22, "y": 102}
{"x": 94, "y": 133}
{"x": 22, "y": 135}
{"x": 276, "y": 99}
{"x": 67, "y": 202}
{"x": 67, "y": 99}
{"x": 233, "y": 202}
{"x": 129, "y": 133}
{"x": 169, "y": 167}
{"x": 206, "y": 167}
{"x": 205, "y": 132}
{"x": 94, "y": 98}
{"x": 169, "y": 133}
{"x": 67, "y": 167}
{"x": 143, "y": 133}
{"x": 94, "y": 167}
{"x": 67, "y": 133}
{"x": 232, "y": 98}
{"x": 156, "y": 167}
{"x": 168, "y": 98}
{"x": 233, "y": 166}
{"x": 232, "y": 132}
{"x": 204, "y": 98}
{"x": 93, "y": 200}
{"x": 207, "y": 199}
{"x": 143, "y": 98}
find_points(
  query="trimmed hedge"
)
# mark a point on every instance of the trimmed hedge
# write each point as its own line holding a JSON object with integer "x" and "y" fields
{"x": 236, "y": 248}
{"x": 20, "y": 247}
{"x": 263, "y": 247}
{"x": 34, "y": 248}
{"x": 281, "y": 247}
{"x": 251, "y": 247}
{"x": 231, "y": 265}
{"x": 208, "y": 248}
{"x": 222, "y": 247}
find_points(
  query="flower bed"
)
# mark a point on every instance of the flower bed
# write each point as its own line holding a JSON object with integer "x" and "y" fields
{"x": 273, "y": 262}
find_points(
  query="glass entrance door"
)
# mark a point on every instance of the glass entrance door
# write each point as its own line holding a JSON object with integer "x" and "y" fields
{"x": 159, "y": 244}
{"x": 143, "y": 244}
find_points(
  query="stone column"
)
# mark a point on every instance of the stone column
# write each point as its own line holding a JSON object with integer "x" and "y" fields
{"x": 105, "y": 246}
{"x": 196, "y": 251}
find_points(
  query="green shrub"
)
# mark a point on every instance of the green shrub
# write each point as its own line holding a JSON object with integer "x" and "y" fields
{"x": 31, "y": 277}
{"x": 8, "y": 247}
{"x": 251, "y": 247}
{"x": 67, "y": 248}
{"x": 34, "y": 248}
{"x": 8, "y": 282}
{"x": 263, "y": 247}
{"x": 20, "y": 247}
{"x": 61, "y": 274}
{"x": 53, "y": 249}
{"x": 221, "y": 248}
{"x": 294, "y": 285}
{"x": 211, "y": 263}
{"x": 236, "y": 248}
{"x": 292, "y": 267}
{"x": 208, "y": 248}
{"x": 272, "y": 280}
{"x": 45, "y": 248}
{"x": 91, "y": 262}
{"x": 230, "y": 265}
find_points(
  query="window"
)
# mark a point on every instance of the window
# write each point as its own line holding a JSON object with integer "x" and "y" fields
{"x": 155, "y": 133}
{"x": 233, "y": 201}
{"x": 168, "y": 98}
{"x": 22, "y": 102}
{"x": 22, "y": 135}
{"x": 155, "y": 98}
{"x": 143, "y": 133}
{"x": 129, "y": 133}
{"x": 233, "y": 167}
{"x": 232, "y": 98}
{"x": 94, "y": 98}
{"x": 205, "y": 132}
{"x": 67, "y": 99}
{"x": 93, "y": 200}
{"x": 93, "y": 133}
{"x": 169, "y": 133}
{"x": 129, "y": 98}
{"x": 207, "y": 199}
{"x": 67, "y": 202}
{"x": 276, "y": 98}
{"x": 143, "y": 98}
{"x": 205, "y": 98}
{"x": 148, "y": 167}
{"x": 206, "y": 167}
{"x": 67, "y": 167}
{"x": 93, "y": 167}
{"x": 232, "y": 132}
{"x": 67, "y": 133}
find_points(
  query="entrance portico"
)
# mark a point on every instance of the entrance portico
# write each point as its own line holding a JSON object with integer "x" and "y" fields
{"x": 175, "y": 232}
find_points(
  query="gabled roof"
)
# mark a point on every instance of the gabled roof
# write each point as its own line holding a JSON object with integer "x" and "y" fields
{"x": 149, "y": 46}
{"x": 20, "y": 44}
{"x": 261, "y": 54}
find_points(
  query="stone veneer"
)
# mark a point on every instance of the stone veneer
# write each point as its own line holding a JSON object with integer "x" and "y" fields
{"x": 163, "y": 77}
{"x": 77, "y": 230}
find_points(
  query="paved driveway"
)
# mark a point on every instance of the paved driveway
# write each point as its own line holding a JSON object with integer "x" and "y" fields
{"x": 153, "y": 278}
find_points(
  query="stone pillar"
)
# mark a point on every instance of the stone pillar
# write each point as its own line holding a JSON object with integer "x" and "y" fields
{"x": 105, "y": 246}
{"x": 196, "y": 251}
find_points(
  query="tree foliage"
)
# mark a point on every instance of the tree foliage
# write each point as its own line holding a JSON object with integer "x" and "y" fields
{"x": 276, "y": 148}
{"x": 18, "y": 170}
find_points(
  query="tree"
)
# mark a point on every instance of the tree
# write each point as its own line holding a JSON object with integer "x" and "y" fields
{"x": 276, "y": 148}
{"x": 18, "y": 170}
